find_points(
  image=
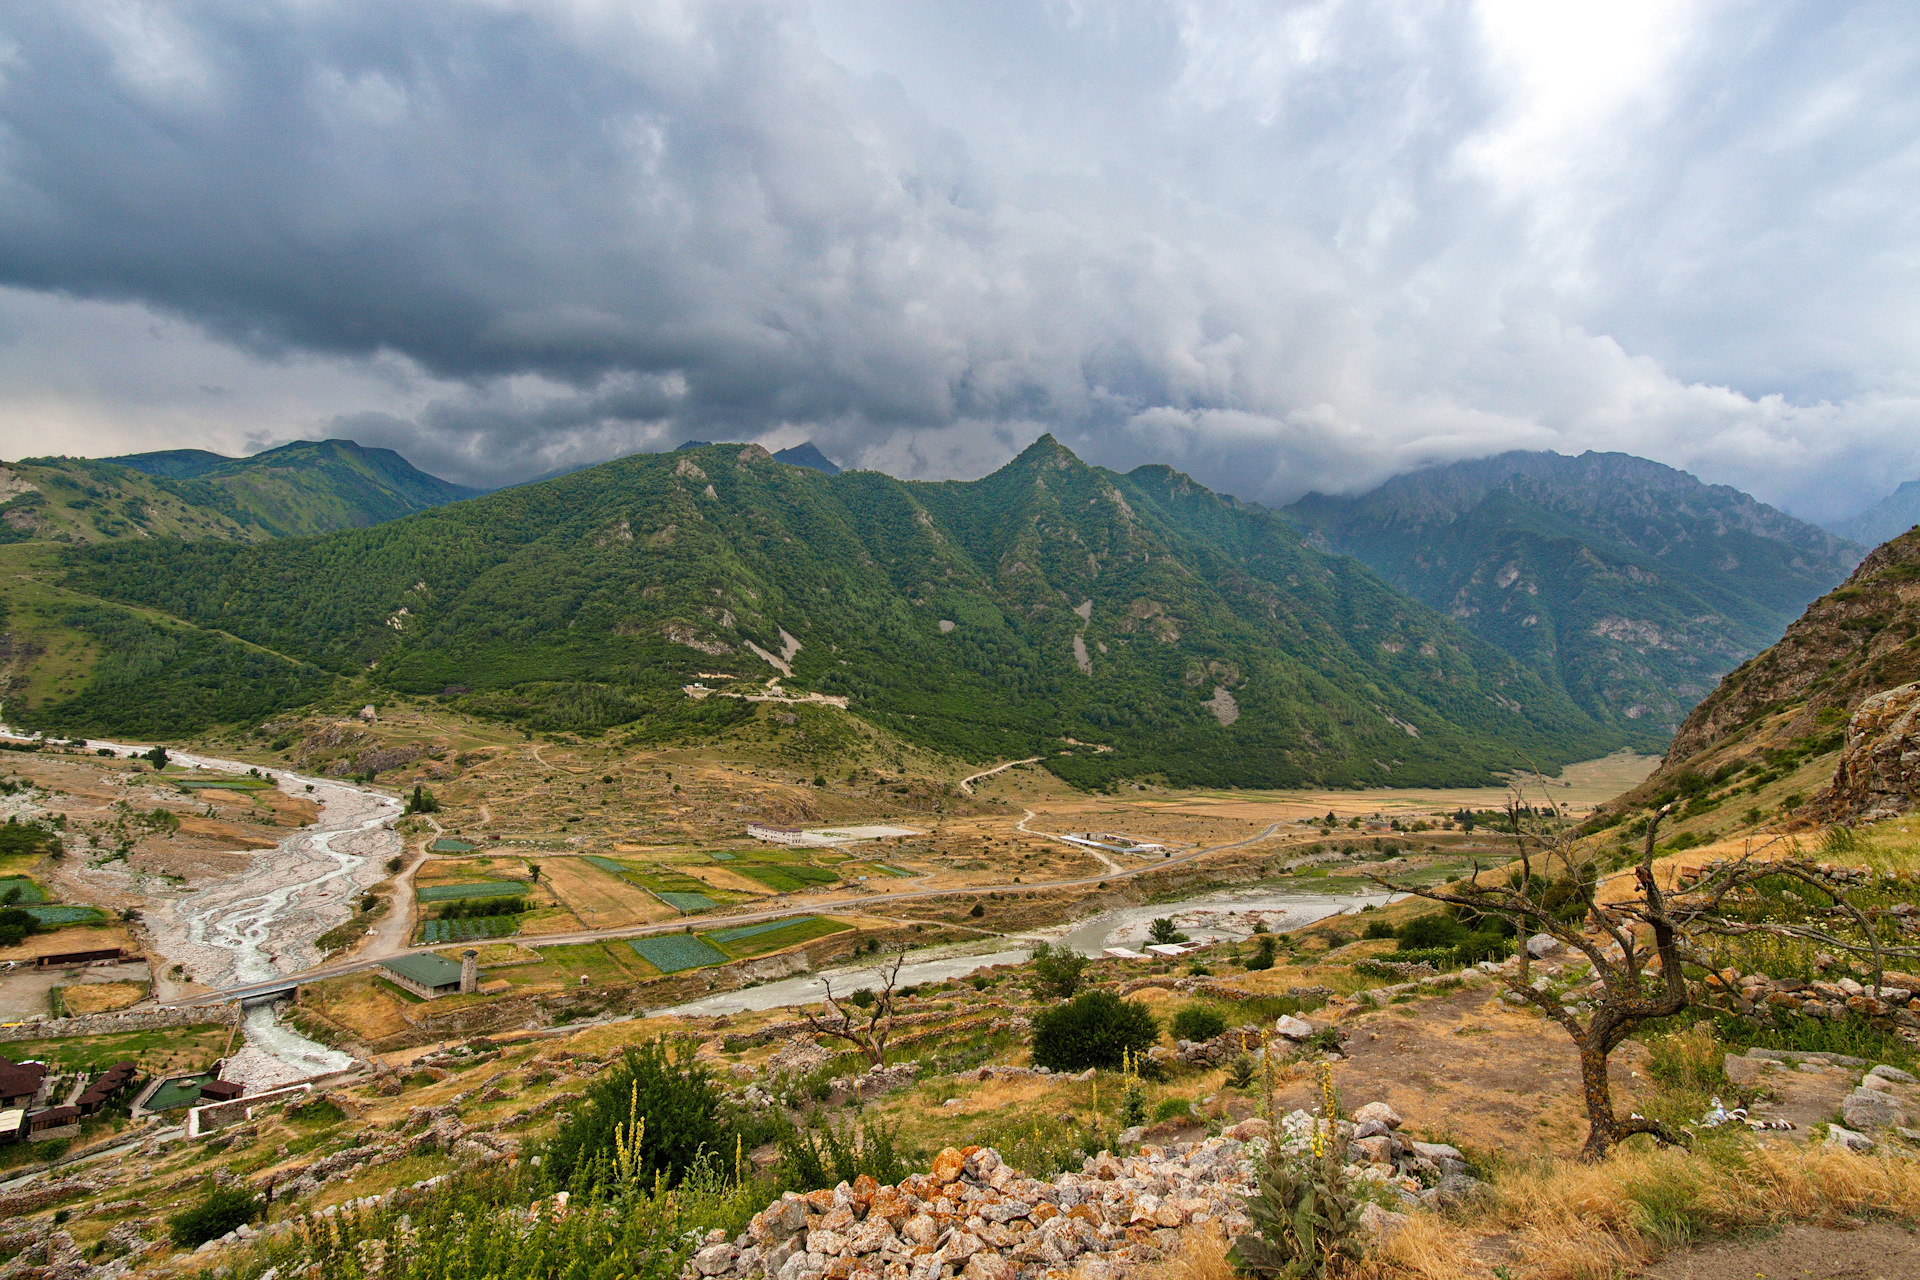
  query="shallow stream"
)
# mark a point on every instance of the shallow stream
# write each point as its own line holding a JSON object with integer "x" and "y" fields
{"x": 1221, "y": 915}
{"x": 263, "y": 922}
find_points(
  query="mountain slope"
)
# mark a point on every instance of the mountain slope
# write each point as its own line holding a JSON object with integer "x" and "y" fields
{"x": 1853, "y": 642}
{"x": 80, "y": 500}
{"x": 300, "y": 489}
{"x": 1191, "y": 636}
{"x": 309, "y": 486}
{"x": 1626, "y": 584}
{"x": 1888, "y": 518}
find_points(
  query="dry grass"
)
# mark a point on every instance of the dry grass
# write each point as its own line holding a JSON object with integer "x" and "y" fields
{"x": 1202, "y": 1255}
{"x": 599, "y": 898}
{"x": 1567, "y": 1221}
{"x": 103, "y": 997}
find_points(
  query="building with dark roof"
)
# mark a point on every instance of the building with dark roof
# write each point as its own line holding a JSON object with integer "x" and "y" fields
{"x": 426, "y": 975}
{"x": 19, "y": 1082}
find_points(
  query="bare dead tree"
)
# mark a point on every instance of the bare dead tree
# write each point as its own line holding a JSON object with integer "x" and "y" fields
{"x": 867, "y": 1030}
{"x": 1716, "y": 912}
{"x": 1635, "y": 949}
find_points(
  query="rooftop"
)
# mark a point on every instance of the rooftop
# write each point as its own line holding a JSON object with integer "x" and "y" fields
{"x": 428, "y": 970}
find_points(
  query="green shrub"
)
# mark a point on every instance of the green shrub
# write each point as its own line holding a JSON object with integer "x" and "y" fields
{"x": 1057, "y": 973}
{"x": 1172, "y": 1108}
{"x": 1378, "y": 929}
{"x": 1429, "y": 932}
{"x": 1196, "y": 1022}
{"x": 821, "y": 1155}
{"x": 1476, "y": 947}
{"x": 1306, "y": 1219}
{"x": 678, "y": 1101}
{"x": 223, "y": 1209}
{"x": 1263, "y": 957}
{"x": 1094, "y": 1029}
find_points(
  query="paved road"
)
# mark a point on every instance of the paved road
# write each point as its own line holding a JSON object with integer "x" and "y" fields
{"x": 866, "y": 903}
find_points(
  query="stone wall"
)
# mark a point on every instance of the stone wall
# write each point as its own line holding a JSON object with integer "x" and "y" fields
{"x": 212, "y": 1115}
{"x": 108, "y": 1024}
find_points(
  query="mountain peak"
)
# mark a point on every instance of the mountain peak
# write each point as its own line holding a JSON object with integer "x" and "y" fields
{"x": 806, "y": 455}
{"x": 1047, "y": 452}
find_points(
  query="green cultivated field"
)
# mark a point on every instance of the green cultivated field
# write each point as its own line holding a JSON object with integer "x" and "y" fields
{"x": 24, "y": 890}
{"x": 676, "y": 952}
{"x": 775, "y": 935}
{"x": 470, "y": 930}
{"x": 482, "y": 889}
{"x": 787, "y": 877}
{"x": 65, "y": 915}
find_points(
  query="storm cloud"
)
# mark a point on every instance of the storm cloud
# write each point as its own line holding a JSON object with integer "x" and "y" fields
{"x": 1280, "y": 246}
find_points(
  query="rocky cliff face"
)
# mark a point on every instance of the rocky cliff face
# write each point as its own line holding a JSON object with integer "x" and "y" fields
{"x": 1879, "y": 771}
{"x": 1858, "y": 640}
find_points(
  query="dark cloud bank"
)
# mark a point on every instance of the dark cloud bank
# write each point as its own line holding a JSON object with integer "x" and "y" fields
{"x": 1281, "y": 246}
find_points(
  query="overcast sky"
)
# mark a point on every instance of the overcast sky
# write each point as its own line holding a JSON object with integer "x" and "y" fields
{"x": 1279, "y": 245}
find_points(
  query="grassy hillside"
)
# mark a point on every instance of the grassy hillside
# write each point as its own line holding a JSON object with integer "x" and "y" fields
{"x": 1853, "y": 642}
{"x": 300, "y": 489}
{"x": 1628, "y": 585}
{"x": 1165, "y": 629}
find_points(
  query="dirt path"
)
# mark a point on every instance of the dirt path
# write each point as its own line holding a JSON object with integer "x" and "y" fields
{"x": 966, "y": 783}
{"x": 1881, "y": 1251}
{"x": 1109, "y": 863}
{"x": 391, "y": 933}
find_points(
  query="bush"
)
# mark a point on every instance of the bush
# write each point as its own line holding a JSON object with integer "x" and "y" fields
{"x": 1476, "y": 947}
{"x": 822, "y": 1156}
{"x": 1057, "y": 973}
{"x": 1306, "y": 1219}
{"x": 676, "y": 1097}
{"x": 1094, "y": 1029}
{"x": 1172, "y": 1108}
{"x": 1432, "y": 931}
{"x": 224, "y": 1209}
{"x": 1262, "y": 958}
{"x": 1378, "y": 929}
{"x": 1196, "y": 1022}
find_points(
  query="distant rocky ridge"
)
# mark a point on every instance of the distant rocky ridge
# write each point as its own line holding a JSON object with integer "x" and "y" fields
{"x": 1853, "y": 642}
{"x": 1629, "y": 584}
{"x": 1843, "y": 679}
{"x": 1888, "y": 518}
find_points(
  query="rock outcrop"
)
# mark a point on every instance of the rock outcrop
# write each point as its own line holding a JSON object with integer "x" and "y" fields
{"x": 1879, "y": 771}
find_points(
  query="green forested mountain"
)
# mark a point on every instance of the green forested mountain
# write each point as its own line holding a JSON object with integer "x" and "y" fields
{"x": 304, "y": 488}
{"x": 307, "y": 487}
{"x": 1168, "y": 629}
{"x": 1630, "y": 586}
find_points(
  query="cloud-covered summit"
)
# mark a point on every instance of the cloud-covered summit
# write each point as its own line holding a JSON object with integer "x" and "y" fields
{"x": 1283, "y": 247}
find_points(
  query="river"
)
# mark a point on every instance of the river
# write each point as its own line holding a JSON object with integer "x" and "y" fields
{"x": 263, "y": 922}
{"x": 1219, "y": 916}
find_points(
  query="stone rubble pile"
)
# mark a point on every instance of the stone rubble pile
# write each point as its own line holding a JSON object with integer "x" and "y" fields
{"x": 877, "y": 1080}
{"x": 973, "y": 1217}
